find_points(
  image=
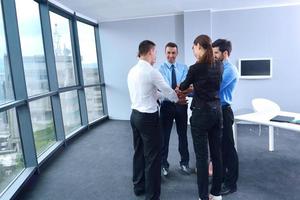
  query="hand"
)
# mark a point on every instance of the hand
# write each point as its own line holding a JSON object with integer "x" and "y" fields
{"x": 189, "y": 90}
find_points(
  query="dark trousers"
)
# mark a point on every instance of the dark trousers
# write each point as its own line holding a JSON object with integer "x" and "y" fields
{"x": 229, "y": 154}
{"x": 168, "y": 112}
{"x": 206, "y": 129}
{"x": 146, "y": 159}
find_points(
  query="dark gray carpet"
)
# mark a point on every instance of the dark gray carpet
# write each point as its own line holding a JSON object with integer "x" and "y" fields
{"x": 97, "y": 166}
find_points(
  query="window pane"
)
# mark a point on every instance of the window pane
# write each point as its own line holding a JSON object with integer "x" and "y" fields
{"x": 88, "y": 53}
{"x": 42, "y": 124}
{"x": 94, "y": 103}
{"x": 70, "y": 111}
{"x": 32, "y": 47}
{"x": 63, "y": 50}
{"x": 11, "y": 156}
{"x": 6, "y": 91}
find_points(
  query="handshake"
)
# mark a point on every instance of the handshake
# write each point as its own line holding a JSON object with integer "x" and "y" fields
{"x": 182, "y": 95}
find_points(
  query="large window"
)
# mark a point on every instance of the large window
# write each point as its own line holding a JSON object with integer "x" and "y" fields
{"x": 6, "y": 91}
{"x": 42, "y": 124}
{"x": 70, "y": 111}
{"x": 11, "y": 156}
{"x": 32, "y": 47}
{"x": 60, "y": 27}
{"x": 87, "y": 43}
{"x": 33, "y": 115}
{"x": 94, "y": 103}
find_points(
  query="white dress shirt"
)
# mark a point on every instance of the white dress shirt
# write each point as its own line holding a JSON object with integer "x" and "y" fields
{"x": 143, "y": 83}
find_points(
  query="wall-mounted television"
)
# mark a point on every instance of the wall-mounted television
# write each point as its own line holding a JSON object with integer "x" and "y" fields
{"x": 255, "y": 68}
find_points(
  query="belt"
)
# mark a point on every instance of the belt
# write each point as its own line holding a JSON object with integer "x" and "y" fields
{"x": 225, "y": 106}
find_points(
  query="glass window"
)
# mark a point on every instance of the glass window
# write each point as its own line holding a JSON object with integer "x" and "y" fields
{"x": 70, "y": 111}
{"x": 94, "y": 103}
{"x": 63, "y": 50}
{"x": 11, "y": 156}
{"x": 88, "y": 53}
{"x": 6, "y": 91}
{"x": 32, "y": 47}
{"x": 42, "y": 124}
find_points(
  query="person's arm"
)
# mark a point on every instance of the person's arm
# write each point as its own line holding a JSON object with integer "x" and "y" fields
{"x": 228, "y": 77}
{"x": 188, "y": 80}
{"x": 162, "y": 86}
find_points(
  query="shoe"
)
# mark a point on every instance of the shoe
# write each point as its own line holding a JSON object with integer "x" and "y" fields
{"x": 212, "y": 197}
{"x": 165, "y": 171}
{"x": 139, "y": 192}
{"x": 184, "y": 169}
{"x": 227, "y": 190}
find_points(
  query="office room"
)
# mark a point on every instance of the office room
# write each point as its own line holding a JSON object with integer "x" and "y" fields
{"x": 66, "y": 106}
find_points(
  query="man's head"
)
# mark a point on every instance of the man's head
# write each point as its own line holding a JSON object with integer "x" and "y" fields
{"x": 147, "y": 51}
{"x": 221, "y": 49}
{"x": 171, "y": 51}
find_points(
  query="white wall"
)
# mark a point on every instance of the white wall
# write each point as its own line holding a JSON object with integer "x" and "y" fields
{"x": 265, "y": 32}
{"x": 119, "y": 45}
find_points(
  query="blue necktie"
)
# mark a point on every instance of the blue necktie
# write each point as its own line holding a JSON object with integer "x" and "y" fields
{"x": 174, "y": 82}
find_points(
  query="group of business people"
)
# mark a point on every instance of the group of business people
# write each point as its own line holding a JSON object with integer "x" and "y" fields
{"x": 211, "y": 80}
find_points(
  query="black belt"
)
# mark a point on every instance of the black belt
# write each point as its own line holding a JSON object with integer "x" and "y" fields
{"x": 225, "y": 106}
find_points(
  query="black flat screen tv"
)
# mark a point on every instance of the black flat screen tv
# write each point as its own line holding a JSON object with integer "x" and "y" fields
{"x": 255, "y": 68}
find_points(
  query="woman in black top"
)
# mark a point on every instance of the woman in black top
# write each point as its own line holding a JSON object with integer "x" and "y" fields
{"x": 206, "y": 120}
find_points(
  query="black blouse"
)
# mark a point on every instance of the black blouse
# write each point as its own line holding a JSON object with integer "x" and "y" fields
{"x": 206, "y": 80}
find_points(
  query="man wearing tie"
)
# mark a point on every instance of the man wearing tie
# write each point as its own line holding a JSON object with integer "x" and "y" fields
{"x": 174, "y": 73}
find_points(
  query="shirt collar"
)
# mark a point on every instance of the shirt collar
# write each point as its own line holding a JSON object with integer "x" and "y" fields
{"x": 169, "y": 64}
{"x": 225, "y": 62}
{"x": 144, "y": 62}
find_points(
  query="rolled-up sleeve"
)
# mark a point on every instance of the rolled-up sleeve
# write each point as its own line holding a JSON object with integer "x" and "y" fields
{"x": 163, "y": 87}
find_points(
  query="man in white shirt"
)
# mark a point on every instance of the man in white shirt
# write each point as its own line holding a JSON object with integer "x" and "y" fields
{"x": 144, "y": 82}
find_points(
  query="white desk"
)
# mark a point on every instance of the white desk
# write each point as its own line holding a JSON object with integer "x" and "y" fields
{"x": 264, "y": 119}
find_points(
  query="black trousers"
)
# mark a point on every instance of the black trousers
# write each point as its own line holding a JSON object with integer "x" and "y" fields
{"x": 206, "y": 126}
{"x": 146, "y": 159}
{"x": 168, "y": 112}
{"x": 229, "y": 154}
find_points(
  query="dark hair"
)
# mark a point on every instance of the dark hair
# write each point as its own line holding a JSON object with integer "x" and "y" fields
{"x": 224, "y": 45}
{"x": 171, "y": 44}
{"x": 145, "y": 46}
{"x": 205, "y": 42}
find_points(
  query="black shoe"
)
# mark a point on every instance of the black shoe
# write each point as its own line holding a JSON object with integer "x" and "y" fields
{"x": 184, "y": 169}
{"x": 139, "y": 192}
{"x": 227, "y": 190}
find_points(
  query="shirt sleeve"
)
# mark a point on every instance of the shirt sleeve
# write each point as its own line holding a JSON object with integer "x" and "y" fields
{"x": 162, "y": 86}
{"x": 184, "y": 73}
{"x": 229, "y": 76}
{"x": 188, "y": 80}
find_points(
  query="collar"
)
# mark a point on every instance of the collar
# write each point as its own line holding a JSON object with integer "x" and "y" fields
{"x": 144, "y": 62}
{"x": 225, "y": 62}
{"x": 169, "y": 64}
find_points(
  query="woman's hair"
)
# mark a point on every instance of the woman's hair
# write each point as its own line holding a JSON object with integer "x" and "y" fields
{"x": 205, "y": 42}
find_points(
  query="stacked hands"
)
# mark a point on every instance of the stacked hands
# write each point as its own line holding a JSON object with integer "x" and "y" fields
{"x": 182, "y": 95}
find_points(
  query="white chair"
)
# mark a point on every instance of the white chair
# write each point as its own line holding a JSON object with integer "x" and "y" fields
{"x": 264, "y": 105}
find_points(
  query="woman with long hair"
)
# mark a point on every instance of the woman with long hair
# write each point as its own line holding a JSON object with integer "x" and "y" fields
{"x": 206, "y": 119}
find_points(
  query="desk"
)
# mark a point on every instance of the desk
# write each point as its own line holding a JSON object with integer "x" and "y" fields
{"x": 263, "y": 118}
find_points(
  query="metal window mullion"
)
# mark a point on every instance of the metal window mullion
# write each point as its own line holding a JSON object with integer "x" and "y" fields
{"x": 19, "y": 83}
{"x": 100, "y": 69}
{"x": 81, "y": 93}
{"x": 51, "y": 69}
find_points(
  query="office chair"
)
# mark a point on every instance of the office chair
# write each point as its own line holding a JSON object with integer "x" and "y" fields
{"x": 264, "y": 105}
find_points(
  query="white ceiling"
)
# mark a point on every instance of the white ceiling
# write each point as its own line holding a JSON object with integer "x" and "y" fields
{"x": 111, "y": 10}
